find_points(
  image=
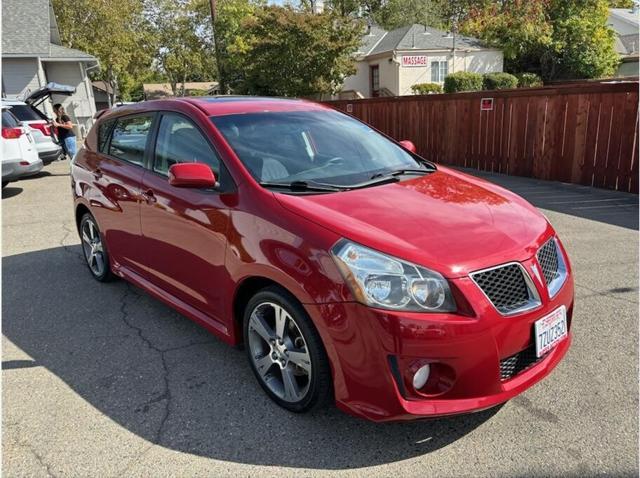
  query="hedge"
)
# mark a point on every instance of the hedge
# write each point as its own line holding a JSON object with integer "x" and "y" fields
{"x": 528, "y": 80}
{"x": 499, "y": 81}
{"x": 426, "y": 88}
{"x": 462, "y": 81}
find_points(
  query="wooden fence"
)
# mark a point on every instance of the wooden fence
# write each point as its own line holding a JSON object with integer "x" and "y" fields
{"x": 583, "y": 134}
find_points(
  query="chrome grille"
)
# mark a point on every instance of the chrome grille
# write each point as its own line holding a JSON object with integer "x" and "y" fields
{"x": 508, "y": 287}
{"x": 548, "y": 260}
{"x": 553, "y": 265}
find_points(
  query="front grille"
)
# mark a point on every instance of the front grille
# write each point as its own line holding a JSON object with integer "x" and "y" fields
{"x": 548, "y": 260}
{"x": 506, "y": 287}
{"x": 519, "y": 362}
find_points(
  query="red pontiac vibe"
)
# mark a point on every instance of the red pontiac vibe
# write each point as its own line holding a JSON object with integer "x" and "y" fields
{"x": 350, "y": 268}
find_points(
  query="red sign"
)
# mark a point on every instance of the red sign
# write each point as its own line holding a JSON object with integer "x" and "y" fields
{"x": 414, "y": 60}
{"x": 486, "y": 104}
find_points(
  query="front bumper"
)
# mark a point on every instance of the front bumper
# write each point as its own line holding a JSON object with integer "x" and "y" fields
{"x": 364, "y": 343}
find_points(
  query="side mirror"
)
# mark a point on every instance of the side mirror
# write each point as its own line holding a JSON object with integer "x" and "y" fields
{"x": 408, "y": 145}
{"x": 191, "y": 175}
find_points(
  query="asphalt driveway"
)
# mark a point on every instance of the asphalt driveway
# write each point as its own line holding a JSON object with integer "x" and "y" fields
{"x": 102, "y": 380}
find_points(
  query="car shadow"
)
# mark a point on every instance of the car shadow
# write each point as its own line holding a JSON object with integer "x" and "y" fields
{"x": 43, "y": 174}
{"x": 162, "y": 377}
{"x": 603, "y": 205}
{"x": 10, "y": 191}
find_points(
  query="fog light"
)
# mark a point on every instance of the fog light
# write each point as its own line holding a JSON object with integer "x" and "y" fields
{"x": 421, "y": 377}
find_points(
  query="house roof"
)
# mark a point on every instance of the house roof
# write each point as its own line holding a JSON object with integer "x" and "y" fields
{"x": 25, "y": 27}
{"x": 29, "y": 29}
{"x": 164, "y": 89}
{"x": 102, "y": 86}
{"x": 627, "y": 44}
{"x": 57, "y": 51}
{"x": 625, "y": 14}
{"x": 413, "y": 37}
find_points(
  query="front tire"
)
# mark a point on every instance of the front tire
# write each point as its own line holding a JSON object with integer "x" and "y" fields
{"x": 94, "y": 249}
{"x": 285, "y": 351}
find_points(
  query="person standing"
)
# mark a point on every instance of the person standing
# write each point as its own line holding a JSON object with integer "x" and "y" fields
{"x": 66, "y": 136}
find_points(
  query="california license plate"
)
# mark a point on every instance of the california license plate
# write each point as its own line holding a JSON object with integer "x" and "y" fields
{"x": 550, "y": 330}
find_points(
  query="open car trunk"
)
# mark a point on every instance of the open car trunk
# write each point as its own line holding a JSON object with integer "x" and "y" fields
{"x": 41, "y": 94}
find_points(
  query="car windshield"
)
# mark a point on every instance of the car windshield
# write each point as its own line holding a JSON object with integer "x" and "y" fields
{"x": 313, "y": 147}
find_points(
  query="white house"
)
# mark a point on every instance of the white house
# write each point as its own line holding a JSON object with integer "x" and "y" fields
{"x": 33, "y": 55}
{"x": 624, "y": 22}
{"x": 389, "y": 63}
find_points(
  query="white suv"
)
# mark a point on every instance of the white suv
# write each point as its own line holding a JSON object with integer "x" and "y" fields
{"x": 38, "y": 124}
{"x": 19, "y": 155}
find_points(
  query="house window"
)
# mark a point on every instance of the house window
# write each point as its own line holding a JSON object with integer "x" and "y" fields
{"x": 439, "y": 70}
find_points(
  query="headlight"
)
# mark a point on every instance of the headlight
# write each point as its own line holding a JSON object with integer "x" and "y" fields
{"x": 383, "y": 281}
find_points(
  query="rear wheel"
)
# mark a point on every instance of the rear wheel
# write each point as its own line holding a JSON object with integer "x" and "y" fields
{"x": 94, "y": 249}
{"x": 285, "y": 351}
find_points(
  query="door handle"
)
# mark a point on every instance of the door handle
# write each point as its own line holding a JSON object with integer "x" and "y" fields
{"x": 149, "y": 197}
{"x": 97, "y": 173}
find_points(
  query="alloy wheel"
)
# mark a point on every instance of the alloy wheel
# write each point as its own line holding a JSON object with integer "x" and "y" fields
{"x": 279, "y": 352}
{"x": 93, "y": 249}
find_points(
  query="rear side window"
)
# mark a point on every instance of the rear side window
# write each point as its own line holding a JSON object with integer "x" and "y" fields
{"x": 129, "y": 138}
{"x": 8, "y": 120}
{"x": 27, "y": 113}
{"x": 104, "y": 129}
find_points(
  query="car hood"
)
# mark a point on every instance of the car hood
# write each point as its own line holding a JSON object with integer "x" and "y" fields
{"x": 447, "y": 220}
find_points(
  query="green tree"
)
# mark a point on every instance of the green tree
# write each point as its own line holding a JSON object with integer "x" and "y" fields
{"x": 184, "y": 51}
{"x": 398, "y": 13}
{"x": 620, "y": 3}
{"x": 117, "y": 33}
{"x": 520, "y": 28}
{"x": 583, "y": 44}
{"x": 554, "y": 38}
{"x": 228, "y": 37}
{"x": 286, "y": 52}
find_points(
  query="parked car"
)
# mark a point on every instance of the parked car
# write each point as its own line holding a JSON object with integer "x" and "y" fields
{"x": 40, "y": 126}
{"x": 349, "y": 267}
{"x": 19, "y": 154}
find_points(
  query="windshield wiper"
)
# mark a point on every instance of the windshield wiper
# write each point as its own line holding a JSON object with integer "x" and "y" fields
{"x": 303, "y": 186}
{"x": 402, "y": 172}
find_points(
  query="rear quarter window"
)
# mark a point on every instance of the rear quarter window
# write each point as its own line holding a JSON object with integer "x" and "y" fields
{"x": 27, "y": 113}
{"x": 8, "y": 120}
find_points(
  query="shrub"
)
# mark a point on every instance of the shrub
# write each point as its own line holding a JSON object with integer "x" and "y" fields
{"x": 462, "y": 81}
{"x": 498, "y": 81}
{"x": 529, "y": 80}
{"x": 426, "y": 88}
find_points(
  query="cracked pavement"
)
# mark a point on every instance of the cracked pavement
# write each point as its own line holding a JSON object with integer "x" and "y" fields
{"x": 102, "y": 380}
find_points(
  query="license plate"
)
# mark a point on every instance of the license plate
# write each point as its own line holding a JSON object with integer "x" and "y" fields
{"x": 550, "y": 330}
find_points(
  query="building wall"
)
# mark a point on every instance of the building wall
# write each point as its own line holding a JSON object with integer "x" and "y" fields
{"x": 484, "y": 61}
{"x": 360, "y": 81}
{"x": 19, "y": 75}
{"x": 399, "y": 80}
{"x": 80, "y": 106}
{"x": 389, "y": 74}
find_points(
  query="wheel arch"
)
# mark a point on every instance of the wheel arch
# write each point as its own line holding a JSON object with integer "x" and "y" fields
{"x": 81, "y": 210}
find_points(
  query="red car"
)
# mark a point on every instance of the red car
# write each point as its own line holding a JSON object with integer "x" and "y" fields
{"x": 350, "y": 268}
